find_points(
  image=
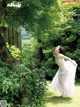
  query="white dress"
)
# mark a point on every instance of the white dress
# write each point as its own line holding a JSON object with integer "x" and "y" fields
{"x": 64, "y": 79}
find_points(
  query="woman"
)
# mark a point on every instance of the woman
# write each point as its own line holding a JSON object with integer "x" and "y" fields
{"x": 65, "y": 77}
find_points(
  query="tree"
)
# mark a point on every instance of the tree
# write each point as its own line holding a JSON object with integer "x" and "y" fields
{"x": 4, "y": 52}
{"x": 34, "y": 15}
{"x": 66, "y": 34}
{"x": 70, "y": 30}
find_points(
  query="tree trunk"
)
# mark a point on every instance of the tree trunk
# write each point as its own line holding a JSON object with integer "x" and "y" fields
{"x": 40, "y": 50}
{"x": 5, "y": 55}
{"x": 40, "y": 53}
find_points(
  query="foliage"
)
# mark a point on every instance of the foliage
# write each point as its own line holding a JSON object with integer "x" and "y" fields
{"x": 32, "y": 14}
{"x": 69, "y": 33}
{"x": 34, "y": 89}
{"x": 28, "y": 51}
{"x": 66, "y": 32}
{"x": 40, "y": 18}
{"x": 9, "y": 83}
{"x": 24, "y": 84}
{"x": 15, "y": 52}
{"x": 35, "y": 76}
{"x": 36, "y": 17}
{"x": 51, "y": 23}
{"x": 17, "y": 87}
{"x": 54, "y": 23}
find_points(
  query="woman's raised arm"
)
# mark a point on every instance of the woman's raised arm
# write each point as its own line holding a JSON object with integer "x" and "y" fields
{"x": 67, "y": 58}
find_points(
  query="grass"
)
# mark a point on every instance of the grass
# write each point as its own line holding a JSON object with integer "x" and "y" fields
{"x": 54, "y": 100}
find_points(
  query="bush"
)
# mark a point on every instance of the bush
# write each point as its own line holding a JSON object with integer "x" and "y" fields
{"x": 9, "y": 83}
{"x": 35, "y": 76}
{"x": 15, "y": 52}
{"x": 24, "y": 84}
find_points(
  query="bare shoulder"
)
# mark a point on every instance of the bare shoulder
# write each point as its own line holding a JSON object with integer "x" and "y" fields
{"x": 61, "y": 55}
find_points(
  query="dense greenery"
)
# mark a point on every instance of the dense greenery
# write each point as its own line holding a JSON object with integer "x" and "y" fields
{"x": 69, "y": 31}
{"x": 24, "y": 84}
{"x": 35, "y": 76}
{"x": 50, "y": 23}
{"x": 66, "y": 33}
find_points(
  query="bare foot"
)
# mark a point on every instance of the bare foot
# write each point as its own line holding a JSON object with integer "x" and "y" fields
{"x": 61, "y": 96}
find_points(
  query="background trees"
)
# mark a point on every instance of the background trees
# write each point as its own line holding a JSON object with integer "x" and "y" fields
{"x": 27, "y": 78}
{"x": 50, "y": 23}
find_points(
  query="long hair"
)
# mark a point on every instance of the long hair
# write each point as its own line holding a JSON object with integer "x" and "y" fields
{"x": 61, "y": 50}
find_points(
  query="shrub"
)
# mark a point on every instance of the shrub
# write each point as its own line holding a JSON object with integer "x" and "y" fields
{"x": 24, "y": 84}
{"x": 9, "y": 83}
{"x": 15, "y": 52}
{"x": 35, "y": 77}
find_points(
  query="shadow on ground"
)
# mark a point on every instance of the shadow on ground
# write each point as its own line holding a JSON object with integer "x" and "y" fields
{"x": 53, "y": 98}
{"x": 57, "y": 99}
